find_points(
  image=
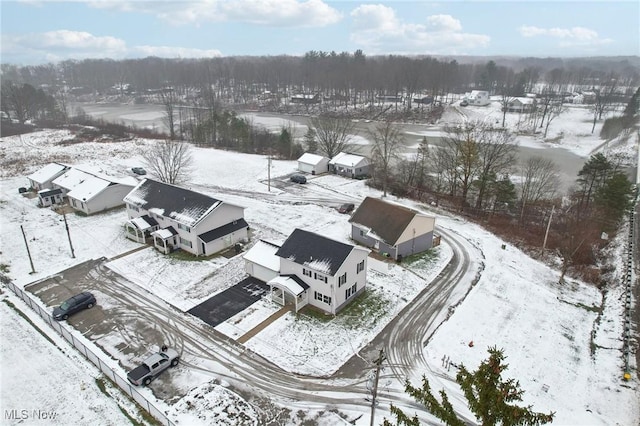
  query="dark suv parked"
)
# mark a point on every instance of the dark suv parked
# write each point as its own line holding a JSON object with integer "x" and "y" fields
{"x": 298, "y": 179}
{"x": 346, "y": 208}
{"x": 84, "y": 300}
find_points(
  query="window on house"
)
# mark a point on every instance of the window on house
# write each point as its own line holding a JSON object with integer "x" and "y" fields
{"x": 317, "y": 296}
{"x": 319, "y": 277}
{"x": 184, "y": 227}
{"x": 350, "y": 291}
{"x": 306, "y": 272}
{"x": 327, "y": 300}
{"x": 185, "y": 242}
{"x": 360, "y": 267}
{"x": 342, "y": 279}
{"x": 361, "y": 233}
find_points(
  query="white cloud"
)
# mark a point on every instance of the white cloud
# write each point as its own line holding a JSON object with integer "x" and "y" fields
{"x": 289, "y": 13}
{"x": 175, "y": 52}
{"x": 55, "y": 46}
{"x": 568, "y": 37}
{"x": 377, "y": 29}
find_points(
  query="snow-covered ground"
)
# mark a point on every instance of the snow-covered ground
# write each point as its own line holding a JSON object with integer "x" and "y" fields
{"x": 545, "y": 329}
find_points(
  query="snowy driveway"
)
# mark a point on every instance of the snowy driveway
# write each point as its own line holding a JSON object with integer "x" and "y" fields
{"x": 129, "y": 321}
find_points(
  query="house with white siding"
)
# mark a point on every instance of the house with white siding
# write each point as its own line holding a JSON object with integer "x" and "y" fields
{"x": 391, "y": 229}
{"x": 313, "y": 164}
{"x": 310, "y": 269}
{"x": 171, "y": 218}
{"x": 349, "y": 165}
{"x": 90, "y": 192}
{"x": 44, "y": 177}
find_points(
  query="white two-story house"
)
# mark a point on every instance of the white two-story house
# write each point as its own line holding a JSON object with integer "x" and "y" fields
{"x": 178, "y": 218}
{"x": 310, "y": 270}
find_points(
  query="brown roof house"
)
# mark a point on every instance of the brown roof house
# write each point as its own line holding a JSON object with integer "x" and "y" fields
{"x": 391, "y": 229}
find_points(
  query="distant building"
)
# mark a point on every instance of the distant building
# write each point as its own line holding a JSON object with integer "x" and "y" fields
{"x": 478, "y": 98}
{"x": 313, "y": 164}
{"x": 349, "y": 165}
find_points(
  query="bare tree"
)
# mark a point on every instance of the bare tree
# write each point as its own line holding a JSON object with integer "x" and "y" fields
{"x": 496, "y": 155}
{"x": 604, "y": 98}
{"x": 168, "y": 98}
{"x": 169, "y": 160}
{"x": 540, "y": 178}
{"x": 333, "y": 134}
{"x": 461, "y": 154}
{"x": 386, "y": 145}
{"x": 555, "y": 109}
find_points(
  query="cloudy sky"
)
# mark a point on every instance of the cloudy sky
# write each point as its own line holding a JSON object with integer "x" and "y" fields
{"x": 35, "y": 32}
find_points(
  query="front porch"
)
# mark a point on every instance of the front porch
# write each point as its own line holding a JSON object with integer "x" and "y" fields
{"x": 289, "y": 290}
{"x": 140, "y": 228}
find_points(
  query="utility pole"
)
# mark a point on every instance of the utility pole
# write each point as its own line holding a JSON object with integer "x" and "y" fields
{"x": 66, "y": 225}
{"x": 546, "y": 234}
{"x": 33, "y": 271}
{"x": 269, "y": 171}
{"x": 374, "y": 391}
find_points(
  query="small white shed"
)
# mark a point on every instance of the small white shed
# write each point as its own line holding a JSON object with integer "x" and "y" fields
{"x": 313, "y": 164}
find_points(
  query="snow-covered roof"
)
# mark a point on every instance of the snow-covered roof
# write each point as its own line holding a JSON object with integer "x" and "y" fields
{"x": 72, "y": 178}
{"x": 142, "y": 223}
{"x": 309, "y": 158}
{"x": 88, "y": 188}
{"x": 351, "y": 160}
{"x": 289, "y": 283}
{"x": 313, "y": 250}
{"x": 165, "y": 233}
{"x": 48, "y": 172}
{"x": 264, "y": 254}
{"x": 181, "y": 204}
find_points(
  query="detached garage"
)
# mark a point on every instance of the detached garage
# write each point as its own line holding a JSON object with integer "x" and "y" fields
{"x": 261, "y": 261}
{"x": 313, "y": 164}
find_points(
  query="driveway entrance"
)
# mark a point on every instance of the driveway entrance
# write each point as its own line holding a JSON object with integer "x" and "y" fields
{"x": 226, "y": 304}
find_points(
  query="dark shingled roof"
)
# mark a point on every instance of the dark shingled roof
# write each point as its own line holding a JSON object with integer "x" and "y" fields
{"x": 316, "y": 251}
{"x": 386, "y": 220}
{"x": 181, "y": 204}
{"x": 223, "y": 230}
{"x": 49, "y": 192}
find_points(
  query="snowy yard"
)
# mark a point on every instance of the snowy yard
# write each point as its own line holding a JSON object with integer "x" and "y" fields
{"x": 545, "y": 329}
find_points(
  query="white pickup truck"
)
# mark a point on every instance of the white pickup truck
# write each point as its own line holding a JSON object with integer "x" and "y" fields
{"x": 153, "y": 366}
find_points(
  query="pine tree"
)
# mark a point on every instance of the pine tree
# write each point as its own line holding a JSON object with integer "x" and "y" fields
{"x": 490, "y": 398}
{"x": 310, "y": 140}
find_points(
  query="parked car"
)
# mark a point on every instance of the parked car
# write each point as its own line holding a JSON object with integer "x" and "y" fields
{"x": 464, "y": 103}
{"x": 84, "y": 300}
{"x": 346, "y": 208}
{"x": 298, "y": 179}
{"x": 153, "y": 366}
{"x": 139, "y": 170}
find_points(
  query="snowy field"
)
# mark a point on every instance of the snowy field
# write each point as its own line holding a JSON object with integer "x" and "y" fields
{"x": 545, "y": 329}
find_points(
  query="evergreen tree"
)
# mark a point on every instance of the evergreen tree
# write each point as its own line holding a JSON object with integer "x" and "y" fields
{"x": 490, "y": 398}
{"x": 310, "y": 140}
{"x": 633, "y": 106}
{"x": 614, "y": 197}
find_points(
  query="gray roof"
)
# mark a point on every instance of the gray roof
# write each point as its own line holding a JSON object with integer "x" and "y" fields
{"x": 315, "y": 251}
{"x": 181, "y": 204}
{"x": 386, "y": 220}
{"x": 223, "y": 230}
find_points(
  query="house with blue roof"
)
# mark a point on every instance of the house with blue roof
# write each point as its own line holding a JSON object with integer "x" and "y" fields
{"x": 171, "y": 218}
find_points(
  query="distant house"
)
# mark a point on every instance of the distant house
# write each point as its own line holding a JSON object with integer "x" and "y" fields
{"x": 43, "y": 178}
{"x": 426, "y": 100}
{"x": 178, "y": 218}
{"x": 390, "y": 98}
{"x": 306, "y": 99}
{"x": 478, "y": 98}
{"x": 313, "y": 163}
{"x": 91, "y": 193}
{"x": 49, "y": 197}
{"x": 392, "y": 229}
{"x": 525, "y": 104}
{"x": 310, "y": 269}
{"x": 349, "y": 165}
